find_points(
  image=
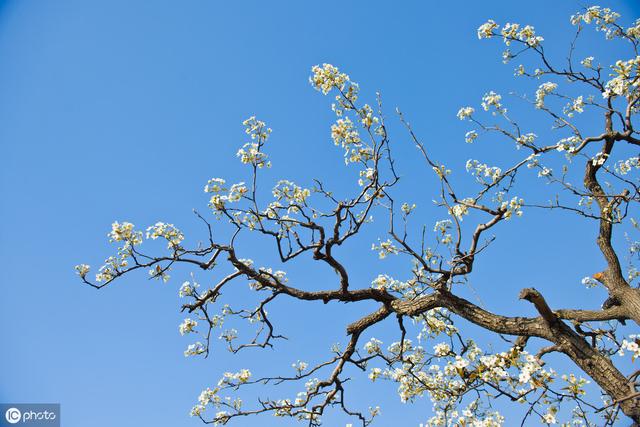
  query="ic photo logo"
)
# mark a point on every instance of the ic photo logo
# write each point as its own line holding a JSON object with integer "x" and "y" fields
{"x": 30, "y": 414}
{"x": 13, "y": 415}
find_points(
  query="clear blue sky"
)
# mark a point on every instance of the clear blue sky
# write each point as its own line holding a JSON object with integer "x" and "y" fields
{"x": 121, "y": 110}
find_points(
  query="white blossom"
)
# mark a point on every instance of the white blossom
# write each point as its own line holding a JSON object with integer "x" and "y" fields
{"x": 187, "y": 326}
{"x": 82, "y": 269}
{"x": 465, "y": 112}
{"x": 543, "y": 90}
{"x": 194, "y": 349}
{"x": 486, "y": 30}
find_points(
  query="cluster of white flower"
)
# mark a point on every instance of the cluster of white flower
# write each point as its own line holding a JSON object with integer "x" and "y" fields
{"x": 375, "y": 374}
{"x": 195, "y": 349}
{"x": 373, "y": 346}
{"x": 269, "y": 275}
{"x": 595, "y": 14}
{"x": 616, "y": 86}
{"x": 250, "y": 154}
{"x": 442, "y": 226}
{"x": 211, "y": 397}
{"x": 587, "y": 62}
{"x": 407, "y": 208}
{"x": 625, "y": 80}
{"x": 111, "y": 268}
{"x": 470, "y": 136}
{"x": 436, "y": 322}
{"x": 543, "y": 90}
{"x": 507, "y": 56}
{"x": 465, "y": 112}
{"x": 442, "y": 349}
{"x": 221, "y": 418}
{"x": 343, "y": 132}
{"x": 82, "y": 270}
{"x": 166, "y": 231}
{"x": 271, "y": 212}
{"x": 197, "y": 411}
{"x": 634, "y": 31}
{"x": 526, "y": 34}
{"x": 187, "y": 326}
{"x": 519, "y": 71}
{"x": 385, "y": 248}
{"x": 345, "y": 135}
{"x": 312, "y": 384}
{"x": 513, "y": 206}
{"x": 441, "y": 171}
{"x": 300, "y": 367}
{"x": 236, "y": 192}
{"x": 528, "y": 369}
{"x": 545, "y": 171}
{"x": 345, "y": 101}
{"x": 206, "y": 397}
{"x": 125, "y": 233}
{"x": 381, "y": 282}
{"x": 568, "y": 144}
{"x": 550, "y": 416}
{"x": 482, "y": 171}
{"x": 623, "y": 167}
{"x": 527, "y": 140}
{"x": 327, "y": 77}
{"x": 188, "y": 289}
{"x": 407, "y": 348}
{"x": 233, "y": 379}
{"x": 283, "y": 408}
{"x": 114, "y": 265}
{"x": 486, "y": 30}
{"x": 216, "y": 186}
{"x": 384, "y": 281}
{"x": 575, "y": 106}
{"x": 495, "y": 366}
{"x": 256, "y": 129}
{"x": 286, "y": 223}
{"x": 599, "y": 159}
{"x": 441, "y": 229}
{"x": 630, "y": 345}
{"x": 511, "y": 32}
{"x": 361, "y": 154}
{"x": 467, "y": 418}
{"x": 602, "y": 18}
{"x": 324, "y": 79}
{"x": 367, "y": 175}
{"x": 446, "y": 383}
{"x": 461, "y": 209}
{"x": 291, "y": 193}
{"x": 575, "y": 385}
{"x": 366, "y": 116}
{"x": 492, "y": 99}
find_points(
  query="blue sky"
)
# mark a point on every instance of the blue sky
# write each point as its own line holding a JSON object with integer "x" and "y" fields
{"x": 122, "y": 110}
